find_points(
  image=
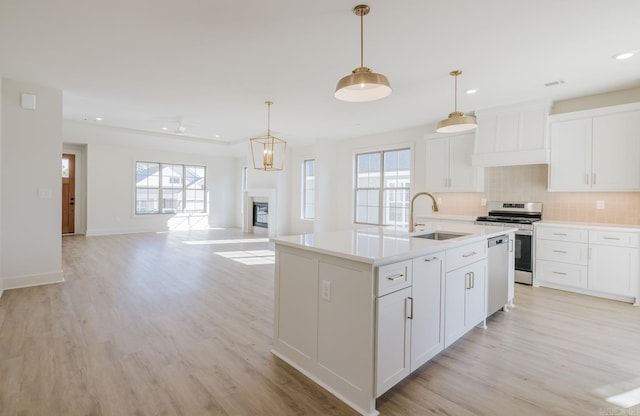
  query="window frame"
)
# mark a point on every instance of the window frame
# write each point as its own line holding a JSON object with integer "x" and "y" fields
{"x": 184, "y": 189}
{"x": 382, "y": 186}
{"x": 305, "y": 190}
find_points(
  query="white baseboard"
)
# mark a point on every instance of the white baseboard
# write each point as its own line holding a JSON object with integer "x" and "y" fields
{"x": 17, "y": 282}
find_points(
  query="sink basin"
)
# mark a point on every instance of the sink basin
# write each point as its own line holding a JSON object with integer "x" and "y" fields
{"x": 440, "y": 235}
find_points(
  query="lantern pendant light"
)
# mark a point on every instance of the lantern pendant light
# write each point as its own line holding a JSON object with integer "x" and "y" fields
{"x": 268, "y": 151}
{"x": 456, "y": 121}
{"x": 362, "y": 84}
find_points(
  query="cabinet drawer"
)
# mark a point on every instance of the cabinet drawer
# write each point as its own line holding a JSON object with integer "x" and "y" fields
{"x": 614, "y": 238}
{"x": 561, "y": 273}
{"x": 562, "y": 234}
{"x": 460, "y": 256}
{"x": 393, "y": 277}
{"x": 562, "y": 251}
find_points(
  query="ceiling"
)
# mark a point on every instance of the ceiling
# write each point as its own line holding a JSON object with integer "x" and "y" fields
{"x": 208, "y": 66}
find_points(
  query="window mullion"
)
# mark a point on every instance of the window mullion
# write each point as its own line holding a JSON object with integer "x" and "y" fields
{"x": 184, "y": 188}
{"x": 381, "y": 191}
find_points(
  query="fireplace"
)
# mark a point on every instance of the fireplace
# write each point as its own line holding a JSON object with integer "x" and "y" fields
{"x": 261, "y": 214}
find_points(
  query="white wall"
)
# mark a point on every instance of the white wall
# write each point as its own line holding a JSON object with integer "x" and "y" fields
{"x": 1, "y": 280}
{"x": 110, "y": 171}
{"x": 31, "y": 186}
{"x": 335, "y": 170}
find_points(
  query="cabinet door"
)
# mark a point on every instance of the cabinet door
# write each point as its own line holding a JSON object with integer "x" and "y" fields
{"x": 427, "y": 331}
{"x": 456, "y": 283}
{"x": 613, "y": 270}
{"x": 570, "y": 165}
{"x": 616, "y": 152}
{"x": 393, "y": 339}
{"x": 462, "y": 176}
{"x": 437, "y": 165}
{"x": 476, "y": 302}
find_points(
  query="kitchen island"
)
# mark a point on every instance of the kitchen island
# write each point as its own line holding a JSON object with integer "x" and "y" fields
{"x": 357, "y": 311}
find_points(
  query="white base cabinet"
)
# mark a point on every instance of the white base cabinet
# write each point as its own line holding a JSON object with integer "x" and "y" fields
{"x": 598, "y": 261}
{"x": 465, "y": 302}
{"x": 409, "y": 323}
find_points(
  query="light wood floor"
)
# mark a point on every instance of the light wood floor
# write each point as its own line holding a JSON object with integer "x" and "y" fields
{"x": 158, "y": 324}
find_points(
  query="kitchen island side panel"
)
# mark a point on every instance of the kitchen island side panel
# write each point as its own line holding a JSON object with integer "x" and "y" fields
{"x": 331, "y": 337}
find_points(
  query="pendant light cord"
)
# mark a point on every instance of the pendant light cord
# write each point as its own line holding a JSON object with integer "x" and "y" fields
{"x": 455, "y": 91}
{"x": 361, "y": 39}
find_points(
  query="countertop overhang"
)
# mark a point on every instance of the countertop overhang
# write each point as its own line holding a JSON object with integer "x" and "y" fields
{"x": 380, "y": 245}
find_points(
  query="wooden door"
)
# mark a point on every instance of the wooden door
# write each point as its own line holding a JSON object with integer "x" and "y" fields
{"x": 68, "y": 193}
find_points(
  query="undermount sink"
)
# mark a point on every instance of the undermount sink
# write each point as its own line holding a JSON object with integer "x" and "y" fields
{"x": 440, "y": 235}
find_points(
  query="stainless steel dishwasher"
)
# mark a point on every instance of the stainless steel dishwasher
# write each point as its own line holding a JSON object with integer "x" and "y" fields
{"x": 498, "y": 259}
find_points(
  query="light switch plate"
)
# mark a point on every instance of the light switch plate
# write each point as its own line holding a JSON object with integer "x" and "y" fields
{"x": 326, "y": 290}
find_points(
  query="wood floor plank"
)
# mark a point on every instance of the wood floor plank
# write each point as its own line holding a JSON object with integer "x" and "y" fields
{"x": 181, "y": 323}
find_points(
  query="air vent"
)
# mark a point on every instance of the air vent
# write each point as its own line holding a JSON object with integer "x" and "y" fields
{"x": 554, "y": 83}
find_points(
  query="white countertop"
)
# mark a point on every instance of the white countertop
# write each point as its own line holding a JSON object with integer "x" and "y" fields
{"x": 378, "y": 245}
{"x": 616, "y": 227}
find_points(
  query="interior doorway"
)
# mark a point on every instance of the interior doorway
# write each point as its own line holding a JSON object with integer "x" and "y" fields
{"x": 68, "y": 193}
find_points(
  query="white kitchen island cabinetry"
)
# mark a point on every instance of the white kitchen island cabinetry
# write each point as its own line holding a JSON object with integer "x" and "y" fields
{"x": 357, "y": 311}
{"x": 595, "y": 260}
{"x": 596, "y": 150}
{"x": 448, "y": 164}
{"x": 465, "y": 290}
{"x": 410, "y": 327}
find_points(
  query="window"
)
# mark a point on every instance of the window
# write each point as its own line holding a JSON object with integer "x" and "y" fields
{"x": 308, "y": 189}
{"x": 383, "y": 181}
{"x": 169, "y": 188}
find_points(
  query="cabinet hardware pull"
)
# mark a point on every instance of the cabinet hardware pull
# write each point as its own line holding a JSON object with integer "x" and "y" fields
{"x": 594, "y": 179}
{"x": 564, "y": 274}
{"x": 396, "y": 277}
{"x": 429, "y": 259}
{"x": 560, "y": 251}
{"x": 610, "y": 238}
{"x": 562, "y": 234}
{"x": 467, "y": 281}
{"x": 473, "y": 280}
{"x": 411, "y": 308}
{"x": 510, "y": 246}
{"x": 469, "y": 254}
{"x": 586, "y": 178}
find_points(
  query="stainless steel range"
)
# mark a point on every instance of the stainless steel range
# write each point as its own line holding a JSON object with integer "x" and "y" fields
{"x": 521, "y": 215}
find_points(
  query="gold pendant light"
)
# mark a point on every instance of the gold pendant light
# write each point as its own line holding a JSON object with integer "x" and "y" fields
{"x": 456, "y": 121}
{"x": 362, "y": 84}
{"x": 268, "y": 151}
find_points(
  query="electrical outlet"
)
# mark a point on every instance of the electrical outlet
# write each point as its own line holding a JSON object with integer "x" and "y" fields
{"x": 600, "y": 204}
{"x": 483, "y": 202}
{"x": 439, "y": 201}
{"x": 326, "y": 290}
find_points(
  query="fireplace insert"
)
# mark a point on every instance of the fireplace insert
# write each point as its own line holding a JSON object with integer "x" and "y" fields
{"x": 261, "y": 214}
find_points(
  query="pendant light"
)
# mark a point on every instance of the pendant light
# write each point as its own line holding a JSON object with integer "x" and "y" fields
{"x": 362, "y": 84}
{"x": 268, "y": 151}
{"x": 456, "y": 121}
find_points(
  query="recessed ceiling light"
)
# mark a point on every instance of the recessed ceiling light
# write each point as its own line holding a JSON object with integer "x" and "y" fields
{"x": 624, "y": 55}
{"x": 217, "y": 136}
{"x": 98, "y": 118}
{"x": 164, "y": 128}
{"x": 471, "y": 91}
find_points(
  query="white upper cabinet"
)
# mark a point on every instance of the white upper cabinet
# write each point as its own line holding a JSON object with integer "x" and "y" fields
{"x": 512, "y": 135}
{"x": 596, "y": 150}
{"x": 448, "y": 165}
